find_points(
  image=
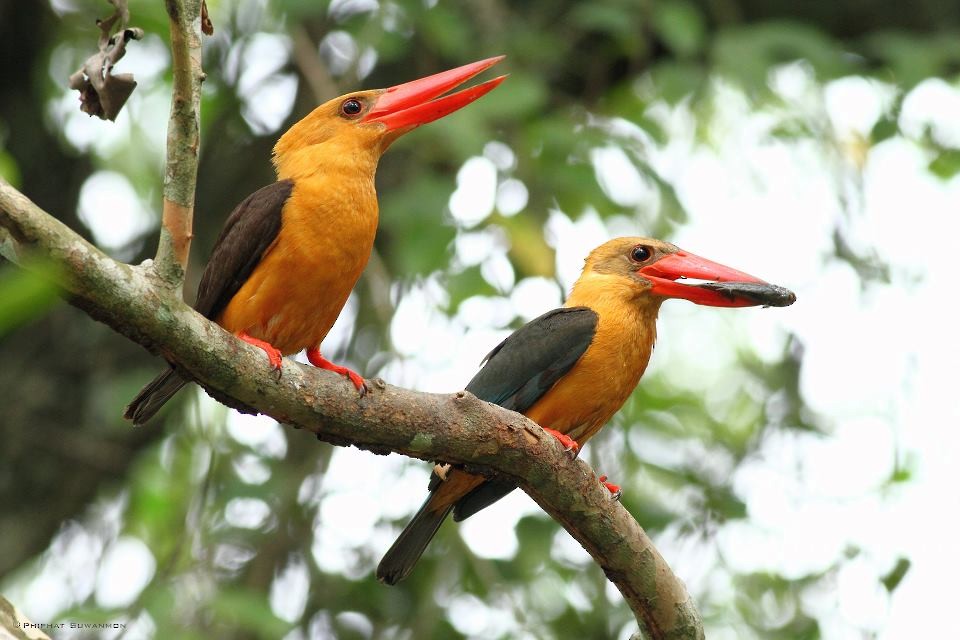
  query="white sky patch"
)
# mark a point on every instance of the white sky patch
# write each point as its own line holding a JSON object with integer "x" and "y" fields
{"x": 568, "y": 551}
{"x": 415, "y": 311}
{"x": 110, "y": 207}
{"x": 261, "y": 56}
{"x": 146, "y": 59}
{"x": 356, "y": 622}
{"x": 478, "y": 312}
{"x": 796, "y": 83}
{"x": 473, "y": 617}
{"x": 854, "y": 104}
{"x": 339, "y": 51}
{"x": 490, "y": 533}
{"x": 247, "y": 513}
{"x": 476, "y": 191}
{"x": 512, "y": 197}
{"x": 534, "y": 296}
{"x": 268, "y": 95}
{"x": 501, "y": 155}
{"x": 366, "y": 62}
{"x": 619, "y": 177}
{"x": 289, "y": 590}
{"x": 250, "y": 469}
{"x": 339, "y": 337}
{"x": 343, "y": 9}
{"x": 359, "y": 491}
{"x": 260, "y": 433}
{"x": 472, "y": 248}
{"x": 127, "y": 567}
{"x": 498, "y": 271}
{"x": 573, "y": 240}
{"x": 269, "y": 103}
{"x": 935, "y": 104}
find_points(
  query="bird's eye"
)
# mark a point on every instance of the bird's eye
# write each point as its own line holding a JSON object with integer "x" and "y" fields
{"x": 351, "y": 107}
{"x": 640, "y": 253}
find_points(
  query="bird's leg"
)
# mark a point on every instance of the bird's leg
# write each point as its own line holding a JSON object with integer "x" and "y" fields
{"x": 569, "y": 444}
{"x": 273, "y": 354}
{"x": 317, "y": 360}
{"x": 614, "y": 489}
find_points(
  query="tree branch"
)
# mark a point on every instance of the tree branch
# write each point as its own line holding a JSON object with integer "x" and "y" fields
{"x": 15, "y": 626}
{"x": 183, "y": 143}
{"x": 456, "y": 428}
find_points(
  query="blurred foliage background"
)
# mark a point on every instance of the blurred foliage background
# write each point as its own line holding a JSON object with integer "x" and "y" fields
{"x": 205, "y": 524}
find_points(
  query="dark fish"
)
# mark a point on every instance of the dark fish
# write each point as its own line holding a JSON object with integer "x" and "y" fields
{"x": 769, "y": 295}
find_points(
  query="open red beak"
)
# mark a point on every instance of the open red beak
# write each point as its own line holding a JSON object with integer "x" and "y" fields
{"x": 665, "y": 272}
{"x": 412, "y": 104}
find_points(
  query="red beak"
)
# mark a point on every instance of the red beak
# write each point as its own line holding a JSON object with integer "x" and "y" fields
{"x": 664, "y": 272}
{"x": 412, "y": 104}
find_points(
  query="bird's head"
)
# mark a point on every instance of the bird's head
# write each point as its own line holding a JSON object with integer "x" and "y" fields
{"x": 362, "y": 124}
{"x": 655, "y": 270}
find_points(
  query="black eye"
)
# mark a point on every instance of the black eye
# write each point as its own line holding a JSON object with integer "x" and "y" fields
{"x": 351, "y": 107}
{"x": 640, "y": 253}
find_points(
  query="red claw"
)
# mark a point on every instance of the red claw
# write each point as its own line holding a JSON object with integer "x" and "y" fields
{"x": 317, "y": 360}
{"x": 273, "y": 354}
{"x": 569, "y": 444}
{"x": 614, "y": 489}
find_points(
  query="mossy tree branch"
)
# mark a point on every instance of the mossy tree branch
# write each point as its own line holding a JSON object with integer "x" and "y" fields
{"x": 455, "y": 428}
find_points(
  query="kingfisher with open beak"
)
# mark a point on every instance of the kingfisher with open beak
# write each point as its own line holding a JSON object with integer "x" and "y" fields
{"x": 572, "y": 368}
{"x": 289, "y": 254}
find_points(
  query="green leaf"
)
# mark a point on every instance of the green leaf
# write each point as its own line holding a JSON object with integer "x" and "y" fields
{"x": 747, "y": 54}
{"x": 466, "y": 284}
{"x": 26, "y": 294}
{"x": 446, "y": 32}
{"x": 412, "y": 224}
{"x": 892, "y": 580}
{"x": 250, "y": 611}
{"x": 946, "y": 165}
{"x": 674, "y": 81}
{"x": 9, "y": 169}
{"x": 681, "y": 26}
{"x": 886, "y": 127}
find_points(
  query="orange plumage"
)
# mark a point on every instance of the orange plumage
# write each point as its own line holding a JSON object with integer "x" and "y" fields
{"x": 290, "y": 253}
{"x": 572, "y": 368}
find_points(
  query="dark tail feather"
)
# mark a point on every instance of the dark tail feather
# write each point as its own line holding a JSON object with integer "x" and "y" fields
{"x": 400, "y": 558}
{"x": 153, "y": 396}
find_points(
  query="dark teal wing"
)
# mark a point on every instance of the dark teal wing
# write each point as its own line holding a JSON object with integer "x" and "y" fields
{"x": 531, "y": 360}
{"x": 520, "y": 370}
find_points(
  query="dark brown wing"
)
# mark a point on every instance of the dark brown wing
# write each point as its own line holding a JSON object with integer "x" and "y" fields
{"x": 245, "y": 238}
{"x": 520, "y": 370}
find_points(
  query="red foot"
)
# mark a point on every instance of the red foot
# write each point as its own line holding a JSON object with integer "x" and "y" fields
{"x": 273, "y": 354}
{"x": 569, "y": 444}
{"x": 614, "y": 489}
{"x": 317, "y": 360}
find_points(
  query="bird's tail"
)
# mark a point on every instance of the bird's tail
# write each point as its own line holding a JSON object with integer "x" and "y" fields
{"x": 153, "y": 396}
{"x": 403, "y": 555}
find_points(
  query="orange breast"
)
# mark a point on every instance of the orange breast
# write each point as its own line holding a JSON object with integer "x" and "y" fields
{"x": 298, "y": 289}
{"x": 581, "y": 402}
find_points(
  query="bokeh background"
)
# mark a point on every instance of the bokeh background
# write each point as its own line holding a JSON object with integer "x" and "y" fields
{"x": 797, "y": 467}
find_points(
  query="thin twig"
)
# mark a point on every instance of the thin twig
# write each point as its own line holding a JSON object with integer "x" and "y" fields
{"x": 183, "y": 143}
